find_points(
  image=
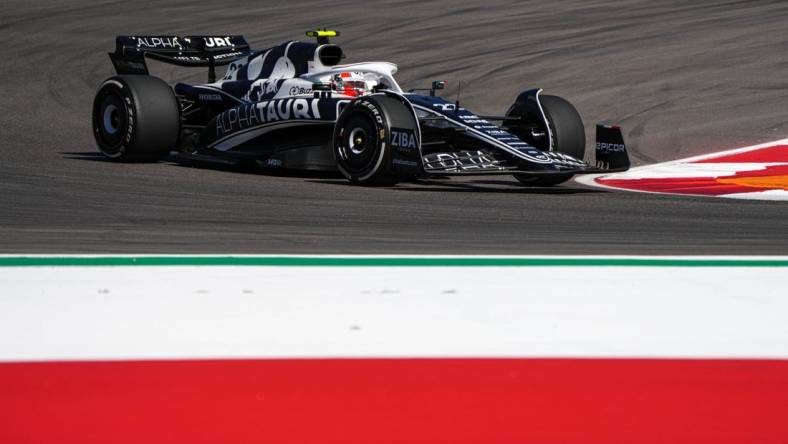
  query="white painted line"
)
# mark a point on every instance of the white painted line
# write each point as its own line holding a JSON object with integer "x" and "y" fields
{"x": 675, "y": 170}
{"x": 760, "y": 195}
{"x": 187, "y": 312}
{"x": 601, "y": 257}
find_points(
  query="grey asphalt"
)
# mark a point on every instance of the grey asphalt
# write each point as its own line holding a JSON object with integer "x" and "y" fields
{"x": 683, "y": 78}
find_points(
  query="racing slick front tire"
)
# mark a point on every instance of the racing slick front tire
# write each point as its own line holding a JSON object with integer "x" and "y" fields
{"x": 569, "y": 137}
{"x": 136, "y": 118}
{"x": 360, "y": 145}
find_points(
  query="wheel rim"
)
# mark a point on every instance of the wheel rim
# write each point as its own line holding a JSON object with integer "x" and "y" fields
{"x": 357, "y": 144}
{"x": 110, "y": 122}
{"x": 357, "y": 140}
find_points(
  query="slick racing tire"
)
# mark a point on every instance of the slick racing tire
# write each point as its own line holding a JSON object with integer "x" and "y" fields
{"x": 360, "y": 143}
{"x": 568, "y": 134}
{"x": 136, "y": 118}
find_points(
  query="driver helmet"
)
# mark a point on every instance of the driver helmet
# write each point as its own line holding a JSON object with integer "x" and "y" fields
{"x": 351, "y": 84}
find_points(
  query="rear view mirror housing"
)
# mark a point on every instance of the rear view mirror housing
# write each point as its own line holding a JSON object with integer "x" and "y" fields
{"x": 437, "y": 84}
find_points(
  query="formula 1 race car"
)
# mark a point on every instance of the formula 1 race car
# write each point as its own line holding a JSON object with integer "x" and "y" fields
{"x": 295, "y": 106}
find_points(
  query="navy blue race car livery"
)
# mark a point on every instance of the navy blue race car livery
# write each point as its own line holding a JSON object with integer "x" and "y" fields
{"x": 297, "y": 106}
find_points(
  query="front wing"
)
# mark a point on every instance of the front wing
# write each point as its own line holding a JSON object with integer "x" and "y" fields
{"x": 610, "y": 152}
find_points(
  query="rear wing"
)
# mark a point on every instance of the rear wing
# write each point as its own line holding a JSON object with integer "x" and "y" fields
{"x": 193, "y": 51}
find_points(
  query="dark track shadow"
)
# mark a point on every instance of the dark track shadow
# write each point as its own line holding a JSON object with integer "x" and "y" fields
{"x": 437, "y": 184}
{"x": 85, "y": 155}
{"x": 250, "y": 168}
{"x": 98, "y": 157}
{"x": 215, "y": 165}
{"x": 507, "y": 187}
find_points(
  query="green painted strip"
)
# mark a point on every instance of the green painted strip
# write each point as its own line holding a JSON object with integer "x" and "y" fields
{"x": 366, "y": 261}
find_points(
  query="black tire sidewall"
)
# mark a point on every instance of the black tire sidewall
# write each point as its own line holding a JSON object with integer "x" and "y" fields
{"x": 152, "y": 118}
{"x": 374, "y": 171}
{"x": 568, "y": 137}
{"x": 113, "y": 88}
{"x": 566, "y": 126}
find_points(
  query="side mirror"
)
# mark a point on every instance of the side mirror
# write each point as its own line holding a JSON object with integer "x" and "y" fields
{"x": 437, "y": 84}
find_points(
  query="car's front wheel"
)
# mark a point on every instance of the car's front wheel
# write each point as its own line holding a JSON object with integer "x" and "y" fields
{"x": 566, "y": 135}
{"x": 360, "y": 147}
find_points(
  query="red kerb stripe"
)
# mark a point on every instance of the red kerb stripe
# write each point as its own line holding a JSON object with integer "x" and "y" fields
{"x": 396, "y": 401}
{"x": 773, "y": 154}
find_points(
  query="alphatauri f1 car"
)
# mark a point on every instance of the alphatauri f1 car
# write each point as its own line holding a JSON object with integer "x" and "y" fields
{"x": 297, "y": 106}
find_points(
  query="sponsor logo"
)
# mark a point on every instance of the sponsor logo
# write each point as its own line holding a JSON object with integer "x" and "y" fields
{"x": 256, "y": 114}
{"x": 473, "y": 121}
{"x": 174, "y": 43}
{"x": 298, "y": 90}
{"x": 461, "y": 160}
{"x": 158, "y": 42}
{"x": 130, "y": 121}
{"x": 227, "y": 55}
{"x": 403, "y": 138}
{"x": 210, "y": 97}
{"x": 273, "y": 163}
{"x": 468, "y": 116}
{"x": 262, "y": 88}
{"x": 215, "y": 42}
{"x": 445, "y": 107}
{"x": 188, "y": 58}
{"x": 610, "y": 147}
{"x": 374, "y": 109}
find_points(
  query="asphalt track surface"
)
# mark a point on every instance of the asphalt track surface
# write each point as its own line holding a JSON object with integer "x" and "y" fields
{"x": 683, "y": 78}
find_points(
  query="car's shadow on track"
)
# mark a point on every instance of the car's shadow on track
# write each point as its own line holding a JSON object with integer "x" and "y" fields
{"x": 215, "y": 165}
{"x": 85, "y": 155}
{"x": 474, "y": 186}
{"x": 442, "y": 185}
{"x": 250, "y": 168}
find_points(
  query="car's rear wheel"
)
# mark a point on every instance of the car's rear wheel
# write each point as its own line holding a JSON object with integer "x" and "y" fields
{"x": 135, "y": 118}
{"x": 360, "y": 146}
{"x": 566, "y": 136}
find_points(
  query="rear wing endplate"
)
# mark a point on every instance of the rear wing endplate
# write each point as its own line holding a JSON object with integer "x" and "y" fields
{"x": 192, "y": 51}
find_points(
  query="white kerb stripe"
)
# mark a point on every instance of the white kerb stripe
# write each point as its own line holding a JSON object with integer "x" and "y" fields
{"x": 172, "y": 312}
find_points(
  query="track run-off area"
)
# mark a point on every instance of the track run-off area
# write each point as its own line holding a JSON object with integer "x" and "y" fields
{"x": 393, "y": 349}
